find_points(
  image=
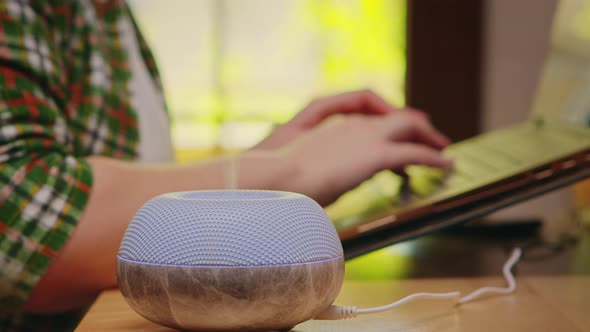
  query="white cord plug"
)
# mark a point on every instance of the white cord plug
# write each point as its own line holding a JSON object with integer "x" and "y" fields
{"x": 335, "y": 312}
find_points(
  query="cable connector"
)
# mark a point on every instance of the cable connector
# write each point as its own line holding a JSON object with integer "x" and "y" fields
{"x": 335, "y": 312}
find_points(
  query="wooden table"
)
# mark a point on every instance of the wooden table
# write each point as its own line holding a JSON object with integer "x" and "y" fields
{"x": 553, "y": 289}
{"x": 552, "y": 303}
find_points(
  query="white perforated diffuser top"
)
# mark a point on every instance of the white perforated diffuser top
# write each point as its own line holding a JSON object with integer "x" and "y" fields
{"x": 230, "y": 228}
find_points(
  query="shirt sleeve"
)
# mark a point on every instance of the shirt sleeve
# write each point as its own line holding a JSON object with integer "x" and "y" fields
{"x": 43, "y": 186}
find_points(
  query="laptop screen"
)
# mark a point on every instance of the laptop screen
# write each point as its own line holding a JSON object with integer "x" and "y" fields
{"x": 564, "y": 89}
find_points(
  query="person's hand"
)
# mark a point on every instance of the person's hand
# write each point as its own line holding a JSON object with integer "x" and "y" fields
{"x": 364, "y": 102}
{"x": 345, "y": 150}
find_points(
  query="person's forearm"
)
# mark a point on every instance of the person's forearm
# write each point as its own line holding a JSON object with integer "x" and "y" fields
{"x": 87, "y": 263}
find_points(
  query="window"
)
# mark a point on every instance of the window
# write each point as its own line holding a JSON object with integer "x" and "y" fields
{"x": 232, "y": 68}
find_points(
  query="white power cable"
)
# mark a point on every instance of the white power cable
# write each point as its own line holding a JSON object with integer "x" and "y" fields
{"x": 409, "y": 298}
{"x": 344, "y": 312}
{"x": 506, "y": 270}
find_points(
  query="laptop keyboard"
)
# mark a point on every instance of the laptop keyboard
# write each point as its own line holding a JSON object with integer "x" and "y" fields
{"x": 479, "y": 161}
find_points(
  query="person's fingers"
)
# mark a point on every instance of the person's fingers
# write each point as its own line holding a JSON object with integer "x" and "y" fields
{"x": 416, "y": 112}
{"x": 401, "y": 127}
{"x": 364, "y": 101}
{"x": 397, "y": 156}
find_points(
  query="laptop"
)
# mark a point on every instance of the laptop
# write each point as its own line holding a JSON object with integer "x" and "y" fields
{"x": 493, "y": 170}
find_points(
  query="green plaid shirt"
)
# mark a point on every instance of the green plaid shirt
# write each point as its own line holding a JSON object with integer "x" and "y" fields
{"x": 63, "y": 96}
